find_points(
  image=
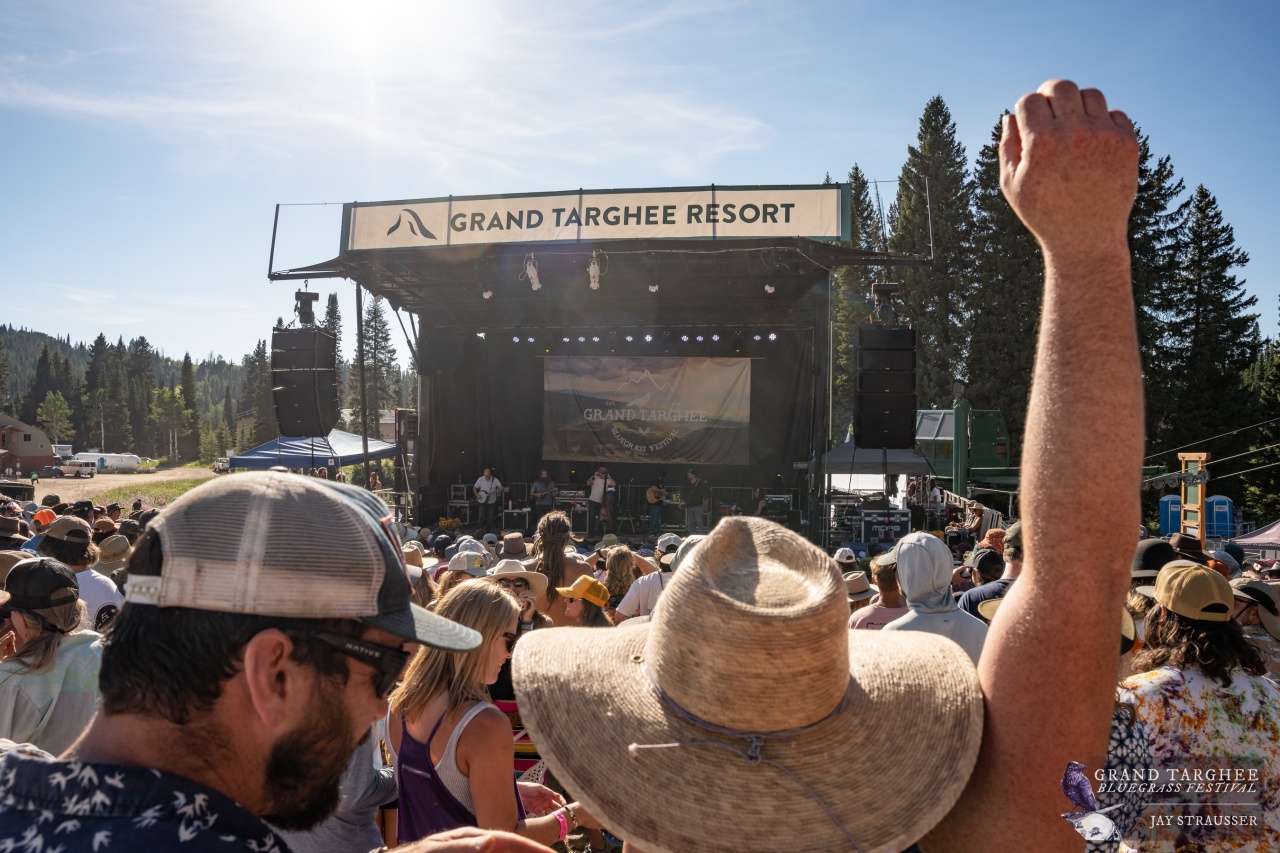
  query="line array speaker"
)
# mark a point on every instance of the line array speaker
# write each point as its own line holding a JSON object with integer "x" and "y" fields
{"x": 304, "y": 381}
{"x": 885, "y": 404}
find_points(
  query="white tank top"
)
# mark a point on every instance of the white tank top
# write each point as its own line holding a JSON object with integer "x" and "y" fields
{"x": 447, "y": 767}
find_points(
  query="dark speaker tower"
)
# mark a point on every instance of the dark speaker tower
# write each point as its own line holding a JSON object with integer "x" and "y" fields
{"x": 885, "y": 405}
{"x": 304, "y": 381}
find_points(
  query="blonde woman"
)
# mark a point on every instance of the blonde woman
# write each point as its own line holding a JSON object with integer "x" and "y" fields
{"x": 620, "y": 571}
{"x": 454, "y": 759}
{"x": 49, "y": 666}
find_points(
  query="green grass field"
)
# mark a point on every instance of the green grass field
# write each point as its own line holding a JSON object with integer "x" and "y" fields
{"x": 152, "y": 494}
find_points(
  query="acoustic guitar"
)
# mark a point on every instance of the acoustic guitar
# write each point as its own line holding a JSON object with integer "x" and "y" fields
{"x": 655, "y": 495}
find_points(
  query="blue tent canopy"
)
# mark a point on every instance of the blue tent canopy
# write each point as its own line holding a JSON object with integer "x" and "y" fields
{"x": 337, "y": 449}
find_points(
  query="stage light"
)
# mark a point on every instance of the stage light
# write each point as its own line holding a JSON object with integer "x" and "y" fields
{"x": 566, "y": 340}
{"x": 582, "y": 340}
{"x": 487, "y": 294}
{"x": 515, "y": 339}
{"x": 480, "y": 335}
{"x": 530, "y": 340}
{"x": 772, "y": 336}
{"x": 699, "y": 338}
{"x": 769, "y": 288}
{"x": 757, "y": 337}
{"x": 531, "y": 271}
{"x": 715, "y": 337}
{"x": 593, "y": 270}
{"x": 595, "y": 339}
{"x": 684, "y": 338}
{"x": 648, "y": 339}
{"x": 630, "y": 339}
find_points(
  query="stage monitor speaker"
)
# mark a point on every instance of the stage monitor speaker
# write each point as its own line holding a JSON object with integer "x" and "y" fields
{"x": 304, "y": 381}
{"x": 885, "y": 420}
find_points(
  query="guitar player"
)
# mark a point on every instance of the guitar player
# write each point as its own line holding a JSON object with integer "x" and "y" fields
{"x": 655, "y": 495}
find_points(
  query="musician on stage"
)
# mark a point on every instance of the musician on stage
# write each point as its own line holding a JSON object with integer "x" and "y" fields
{"x": 697, "y": 500}
{"x": 597, "y": 490}
{"x": 655, "y": 495}
{"x": 487, "y": 490}
{"x": 542, "y": 496}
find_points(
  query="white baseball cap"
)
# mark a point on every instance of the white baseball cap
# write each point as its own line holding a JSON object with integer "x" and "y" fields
{"x": 273, "y": 544}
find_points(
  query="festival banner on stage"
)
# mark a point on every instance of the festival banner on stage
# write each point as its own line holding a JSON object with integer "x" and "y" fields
{"x": 679, "y": 410}
{"x": 817, "y": 212}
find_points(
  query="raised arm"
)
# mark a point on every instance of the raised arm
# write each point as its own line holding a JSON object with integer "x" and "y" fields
{"x": 1069, "y": 168}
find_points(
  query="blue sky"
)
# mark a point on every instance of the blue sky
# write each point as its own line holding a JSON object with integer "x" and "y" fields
{"x": 146, "y": 144}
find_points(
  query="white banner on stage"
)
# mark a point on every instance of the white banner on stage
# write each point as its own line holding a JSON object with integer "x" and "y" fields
{"x": 816, "y": 212}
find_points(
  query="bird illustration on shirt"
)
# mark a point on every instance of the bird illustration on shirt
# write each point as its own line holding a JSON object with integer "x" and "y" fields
{"x": 1077, "y": 788}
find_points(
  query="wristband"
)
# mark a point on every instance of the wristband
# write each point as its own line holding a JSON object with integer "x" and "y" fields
{"x": 564, "y": 825}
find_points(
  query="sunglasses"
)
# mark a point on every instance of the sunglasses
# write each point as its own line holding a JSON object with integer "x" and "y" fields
{"x": 517, "y": 583}
{"x": 510, "y": 640}
{"x": 388, "y": 661}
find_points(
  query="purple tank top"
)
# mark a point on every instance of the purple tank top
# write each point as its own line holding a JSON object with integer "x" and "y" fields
{"x": 427, "y": 806}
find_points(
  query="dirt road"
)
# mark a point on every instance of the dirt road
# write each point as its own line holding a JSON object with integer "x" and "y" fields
{"x": 70, "y": 489}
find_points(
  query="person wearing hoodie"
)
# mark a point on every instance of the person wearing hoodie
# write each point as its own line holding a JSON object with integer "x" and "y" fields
{"x": 924, "y": 573}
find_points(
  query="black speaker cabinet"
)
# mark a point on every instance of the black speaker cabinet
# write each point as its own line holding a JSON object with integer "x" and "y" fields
{"x": 885, "y": 407}
{"x": 886, "y": 420}
{"x": 304, "y": 381}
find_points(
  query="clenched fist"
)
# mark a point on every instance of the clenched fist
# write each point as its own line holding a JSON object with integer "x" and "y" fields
{"x": 1069, "y": 168}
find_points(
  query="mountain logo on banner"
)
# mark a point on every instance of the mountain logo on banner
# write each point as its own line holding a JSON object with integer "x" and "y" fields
{"x": 641, "y": 378}
{"x": 416, "y": 228}
{"x": 644, "y": 399}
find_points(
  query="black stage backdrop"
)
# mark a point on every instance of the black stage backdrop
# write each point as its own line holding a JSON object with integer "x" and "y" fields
{"x": 483, "y": 407}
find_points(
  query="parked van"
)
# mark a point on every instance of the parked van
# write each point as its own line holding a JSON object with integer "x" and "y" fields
{"x": 79, "y": 468}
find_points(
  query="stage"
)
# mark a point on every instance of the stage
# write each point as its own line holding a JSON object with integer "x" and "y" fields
{"x": 695, "y": 346}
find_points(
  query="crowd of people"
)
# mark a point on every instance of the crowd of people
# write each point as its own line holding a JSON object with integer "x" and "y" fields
{"x": 268, "y": 663}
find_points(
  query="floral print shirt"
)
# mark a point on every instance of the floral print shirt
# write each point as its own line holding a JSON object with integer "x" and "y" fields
{"x": 54, "y": 806}
{"x": 1217, "y": 753}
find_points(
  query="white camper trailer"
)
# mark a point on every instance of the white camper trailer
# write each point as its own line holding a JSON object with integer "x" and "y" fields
{"x": 111, "y": 463}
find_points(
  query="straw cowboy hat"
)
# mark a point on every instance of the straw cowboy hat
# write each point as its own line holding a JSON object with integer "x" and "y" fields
{"x": 858, "y": 587}
{"x": 515, "y": 569}
{"x": 746, "y": 713}
{"x": 113, "y": 554}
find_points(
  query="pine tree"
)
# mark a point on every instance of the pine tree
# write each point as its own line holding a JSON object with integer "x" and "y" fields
{"x": 1212, "y": 337}
{"x": 852, "y": 300}
{"x": 381, "y": 382}
{"x": 54, "y": 417}
{"x": 98, "y": 353}
{"x": 1261, "y": 498}
{"x": 41, "y": 384}
{"x": 228, "y": 410}
{"x": 258, "y": 394}
{"x": 1152, "y": 246}
{"x": 1004, "y": 302}
{"x": 333, "y": 324}
{"x": 140, "y": 370}
{"x": 4, "y": 379}
{"x": 933, "y": 296}
{"x": 119, "y": 431}
{"x": 189, "y": 445}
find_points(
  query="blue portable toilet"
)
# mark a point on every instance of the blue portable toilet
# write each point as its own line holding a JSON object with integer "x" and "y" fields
{"x": 1220, "y": 517}
{"x": 1170, "y": 514}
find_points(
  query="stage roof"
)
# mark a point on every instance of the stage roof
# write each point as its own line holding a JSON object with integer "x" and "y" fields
{"x": 725, "y": 256}
{"x": 704, "y": 282}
